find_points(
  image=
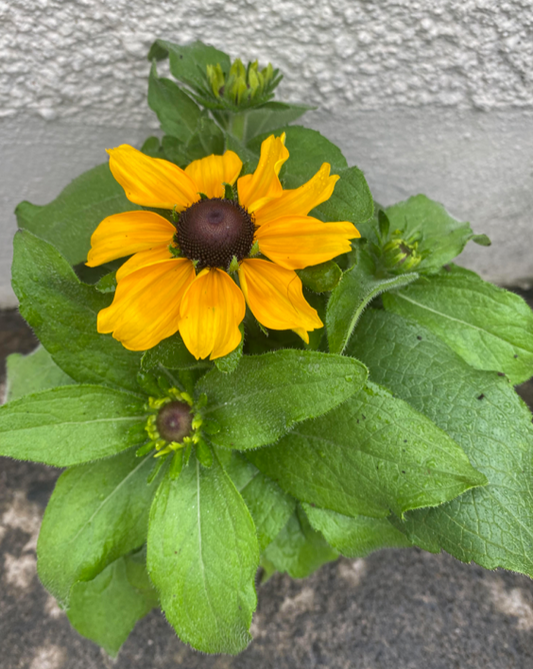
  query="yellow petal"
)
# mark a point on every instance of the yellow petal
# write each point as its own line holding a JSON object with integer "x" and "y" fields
{"x": 299, "y": 201}
{"x": 300, "y": 241}
{"x": 152, "y": 256}
{"x": 258, "y": 188}
{"x": 210, "y": 314}
{"x": 209, "y": 174}
{"x": 145, "y": 309}
{"x": 151, "y": 182}
{"x": 123, "y": 234}
{"x": 275, "y": 297}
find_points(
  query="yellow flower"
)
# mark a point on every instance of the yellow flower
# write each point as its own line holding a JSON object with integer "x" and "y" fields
{"x": 177, "y": 277}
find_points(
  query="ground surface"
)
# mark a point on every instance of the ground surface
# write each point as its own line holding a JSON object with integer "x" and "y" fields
{"x": 394, "y": 610}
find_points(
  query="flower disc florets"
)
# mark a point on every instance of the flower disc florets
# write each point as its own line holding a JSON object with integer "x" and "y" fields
{"x": 214, "y": 231}
{"x": 173, "y": 423}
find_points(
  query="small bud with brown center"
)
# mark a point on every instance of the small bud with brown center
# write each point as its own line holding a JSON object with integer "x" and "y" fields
{"x": 174, "y": 421}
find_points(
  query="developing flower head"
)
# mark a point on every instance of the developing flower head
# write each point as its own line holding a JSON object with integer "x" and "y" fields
{"x": 401, "y": 255}
{"x": 243, "y": 84}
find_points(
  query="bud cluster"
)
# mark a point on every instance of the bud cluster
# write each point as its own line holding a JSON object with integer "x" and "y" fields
{"x": 242, "y": 84}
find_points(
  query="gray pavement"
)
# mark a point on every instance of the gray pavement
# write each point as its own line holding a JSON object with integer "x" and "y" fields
{"x": 397, "y": 609}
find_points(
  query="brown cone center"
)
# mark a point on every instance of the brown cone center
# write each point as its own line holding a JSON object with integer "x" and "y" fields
{"x": 213, "y": 231}
{"x": 174, "y": 421}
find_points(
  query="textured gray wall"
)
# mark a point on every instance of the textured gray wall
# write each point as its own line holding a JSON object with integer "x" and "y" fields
{"x": 431, "y": 96}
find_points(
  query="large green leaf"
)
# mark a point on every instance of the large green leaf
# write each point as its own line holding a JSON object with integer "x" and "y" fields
{"x": 189, "y": 63}
{"x": 270, "y": 116}
{"x": 358, "y": 287}
{"x": 493, "y": 525}
{"x": 69, "y": 221}
{"x": 27, "y": 374}
{"x": 202, "y": 558}
{"x": 440, "y": 236}
{"x": 298, "y": 549}
{"x": 351, "y": 201}
{"x": 267, "y": 394}
{"x": 106, "y": 609}
{"x": 72, "y": 424}
{"x": 177, "y": 113}
{"x": 97, "y": 513}
{"x": 355, "y": 537}
{"x": 487, "y": 326}
{"x": 372, "y": 455}
{"x": 269, "y": 505}
{"x": 62, "y": 311}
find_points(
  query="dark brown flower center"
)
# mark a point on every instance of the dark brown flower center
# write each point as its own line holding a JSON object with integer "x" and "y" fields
{"x": 174, "y": 421}
{"x": 214, "y": 231}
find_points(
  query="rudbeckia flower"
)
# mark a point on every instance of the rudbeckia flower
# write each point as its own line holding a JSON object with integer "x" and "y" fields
{"x": 178, "y": 275}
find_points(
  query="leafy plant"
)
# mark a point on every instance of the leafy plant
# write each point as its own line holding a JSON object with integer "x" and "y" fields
{"x": 395, "y": 425}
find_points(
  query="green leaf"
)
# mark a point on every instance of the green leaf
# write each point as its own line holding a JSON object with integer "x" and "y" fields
{"x": 106, "y": 609}
{"x": 207, "y": 139}
{"x": 372, "y": 455}
{"x": 489, "y": 327}
{"x": 152, "y": 147}
{"x": 177, "y": 113}
{"x": 229, "y": 362}
{"x": 493, "y": 525}
{"x": 62, "y": 311}
{"x": 321, "y": 278}
{"x": 359, "y": 286}
{"x": 481, "y": 240}
{"x": 270, "y": 116}
{"x": 269, "y": 506}
{"x": 97, "y": 513}
{"x": 189, "y": 63}
{"x": 172, "y": 354}
{"x": 440, "y": 236}
{"x": 69, "y": 221}
{"x": 202, "y": 558}
{"x": 267, "y": 394}
{"x": 175, "y": 151}
{"x": 355, "y": 537}
{"x": 27, "y": 374}
{"x": 72, "y": 424}
{"x": 298, "y": 549}
{"x": 351, "y": 201}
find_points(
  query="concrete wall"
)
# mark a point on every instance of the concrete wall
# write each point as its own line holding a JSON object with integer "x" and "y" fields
{"x": 432, "y": 96}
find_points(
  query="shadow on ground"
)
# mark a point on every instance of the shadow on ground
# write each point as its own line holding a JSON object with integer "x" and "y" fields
{"x": 397, "y": 609}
